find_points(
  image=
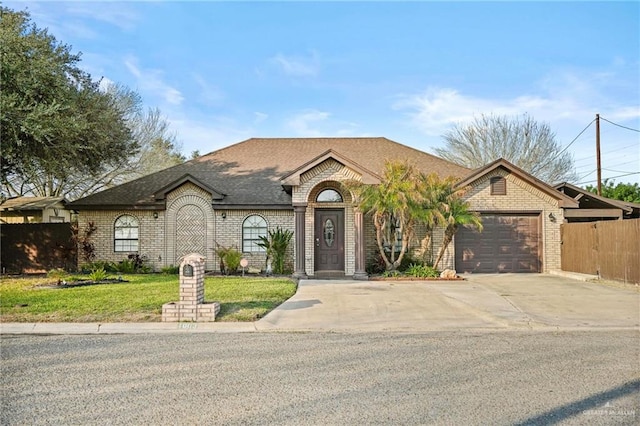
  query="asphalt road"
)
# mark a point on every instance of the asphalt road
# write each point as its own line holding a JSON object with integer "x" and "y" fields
{"x": 498, "y": 378}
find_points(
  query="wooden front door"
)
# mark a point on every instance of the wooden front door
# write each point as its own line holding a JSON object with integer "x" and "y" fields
{"x": 329, "y": 240}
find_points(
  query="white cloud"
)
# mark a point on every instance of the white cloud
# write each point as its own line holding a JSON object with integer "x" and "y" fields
{"x": 150, "y": 83}
{"x": 208, "y": 93}
{"x": 259, "y": 117}
{"x": 120, "y": 15}
{"x": 563, "y": 97}
{"x": 302, "y": 123}
{"x": 298, "y": 66}
{"x": 206, "y": 134}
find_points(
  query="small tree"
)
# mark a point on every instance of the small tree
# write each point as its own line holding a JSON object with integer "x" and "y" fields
{"x": 276, "y": 245}
{"x": 456, "y": 214}
{"x": 436, "y": 193}
{"x": 395, "y": 204}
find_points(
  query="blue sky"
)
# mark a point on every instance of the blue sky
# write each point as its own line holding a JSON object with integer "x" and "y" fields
{"x": 222, "y": 72}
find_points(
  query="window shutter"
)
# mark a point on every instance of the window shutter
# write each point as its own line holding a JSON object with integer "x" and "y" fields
{"x": 498, "y": 185}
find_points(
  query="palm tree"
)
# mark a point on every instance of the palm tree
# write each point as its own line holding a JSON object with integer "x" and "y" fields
{"x": 394, "y": 204}
{"x": 457, "y": 214}
{"x": 436, "y": 193}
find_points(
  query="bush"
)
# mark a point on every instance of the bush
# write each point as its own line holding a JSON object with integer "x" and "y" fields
{"x": 422, "y": 271}
{"x": 98, "y": 274}
{"x": 58, "y": 274}
{"x": 170, "y": 270}
{"x": 98, "y": 264}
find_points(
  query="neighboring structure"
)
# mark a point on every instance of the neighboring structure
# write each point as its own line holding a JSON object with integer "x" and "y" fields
{"x": 234, "y": 195}
{"x": 594, "y": 207}
{"x": 34, "y": 210}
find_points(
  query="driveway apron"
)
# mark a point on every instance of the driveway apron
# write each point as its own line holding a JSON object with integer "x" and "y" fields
{"x": 492, "y": 301}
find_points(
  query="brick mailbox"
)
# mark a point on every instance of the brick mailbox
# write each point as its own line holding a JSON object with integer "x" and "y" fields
{"x": 191, "y": 307}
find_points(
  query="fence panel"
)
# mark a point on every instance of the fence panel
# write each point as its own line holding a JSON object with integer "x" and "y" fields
{"x": 36, "y": 247}
{"x": 608, "y": 248}
{"x": 619, "y": 250}
{"x": 579, "y": 248}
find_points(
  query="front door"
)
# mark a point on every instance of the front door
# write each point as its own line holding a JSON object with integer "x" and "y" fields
{"x": 329, "y": 240}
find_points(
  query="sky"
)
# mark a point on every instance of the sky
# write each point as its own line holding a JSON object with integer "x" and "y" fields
{"x": 223, "y": 72}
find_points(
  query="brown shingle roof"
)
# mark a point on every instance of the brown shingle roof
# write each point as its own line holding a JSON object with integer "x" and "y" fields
{"x": 30, "y": 203}
{"x": 249, "y": 173}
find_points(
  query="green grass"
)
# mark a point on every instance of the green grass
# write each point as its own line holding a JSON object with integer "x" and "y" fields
{"x": 138, "y": 300}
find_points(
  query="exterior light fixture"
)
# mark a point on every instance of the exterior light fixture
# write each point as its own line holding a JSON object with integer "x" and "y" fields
{"x": 155, "y": 215}
{"x": 552, "y": 217}
{"x": 224, "y": 215}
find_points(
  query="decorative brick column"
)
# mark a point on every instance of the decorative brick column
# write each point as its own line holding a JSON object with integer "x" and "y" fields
{"x": 191, "y": 306}
{"x": 299, "y": 215}
{"x": 358, "y": 229}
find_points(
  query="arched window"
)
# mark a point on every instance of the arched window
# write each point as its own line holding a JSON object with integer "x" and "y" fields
{"x": 126, "y": 234}
{"x": 329, "y": 196}
{"x": 253, "y": 228}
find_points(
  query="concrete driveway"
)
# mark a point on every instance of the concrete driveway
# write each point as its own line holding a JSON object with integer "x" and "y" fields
{"x": 500, "y": 301}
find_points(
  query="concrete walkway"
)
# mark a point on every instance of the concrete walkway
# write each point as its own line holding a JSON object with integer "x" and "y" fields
{"x": 481, "y": 302}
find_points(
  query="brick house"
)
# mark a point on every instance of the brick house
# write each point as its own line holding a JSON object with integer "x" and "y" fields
{"x": 231, "y": 196}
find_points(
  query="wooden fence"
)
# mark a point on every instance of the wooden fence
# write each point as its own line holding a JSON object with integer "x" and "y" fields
{"x": 610, "y": 249}
{"x": 36, "y": 247}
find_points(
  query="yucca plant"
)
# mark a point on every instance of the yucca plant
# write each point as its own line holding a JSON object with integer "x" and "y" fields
{"x": 275, "y": 245}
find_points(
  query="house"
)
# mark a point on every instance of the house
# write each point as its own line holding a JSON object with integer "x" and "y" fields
{"x": 592, "y": 207}
{"x": 232, "y": 196}
{"x": 34, "y": 210}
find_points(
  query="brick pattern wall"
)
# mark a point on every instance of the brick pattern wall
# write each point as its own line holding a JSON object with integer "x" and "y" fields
{"x": 522, "y": 197}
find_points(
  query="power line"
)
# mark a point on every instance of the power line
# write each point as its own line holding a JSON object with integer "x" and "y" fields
{"x": 610, "y": 177}
{"x": 607, "y": 152}
{"x": 620, "y": 125}
{"x": 571, "y": 143}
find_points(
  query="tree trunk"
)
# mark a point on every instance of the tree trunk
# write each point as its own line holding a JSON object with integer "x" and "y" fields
{"x": 448, "y": 237}
{"x": 379, "y": 224}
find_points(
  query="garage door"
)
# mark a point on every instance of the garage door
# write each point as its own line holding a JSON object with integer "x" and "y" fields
{"x": 508, "y": 243}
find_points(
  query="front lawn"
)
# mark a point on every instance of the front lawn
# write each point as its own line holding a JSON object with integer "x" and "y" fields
{"x": 138, "y": 300}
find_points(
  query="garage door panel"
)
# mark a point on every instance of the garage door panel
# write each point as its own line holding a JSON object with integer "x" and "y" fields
{"x": 508, "y": 243}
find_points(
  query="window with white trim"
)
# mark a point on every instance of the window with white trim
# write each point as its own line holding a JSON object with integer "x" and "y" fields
{"x": 125, "y": 234}
{"x": 253, "y": 228}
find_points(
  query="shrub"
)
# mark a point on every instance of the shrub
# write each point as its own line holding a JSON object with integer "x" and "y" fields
{"x": 98, "y": 274}
{"x": 58, "y": 274}
{"x": 422, "y": 271}
{"x": 170, "y": 270}
{"x": 276, "y": 245}
{"x": 229, "y": 259}
{"x": 98, "y": 264}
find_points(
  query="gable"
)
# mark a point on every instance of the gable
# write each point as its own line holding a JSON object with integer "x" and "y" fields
{"x": 479, "y": 180}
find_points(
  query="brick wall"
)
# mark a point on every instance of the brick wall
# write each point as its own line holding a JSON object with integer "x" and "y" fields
{"x": 192, "y": 205}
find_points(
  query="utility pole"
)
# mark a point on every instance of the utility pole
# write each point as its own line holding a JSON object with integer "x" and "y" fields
{"x": 598, "y": 154}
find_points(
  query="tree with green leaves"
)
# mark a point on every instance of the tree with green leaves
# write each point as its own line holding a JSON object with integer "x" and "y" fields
{"x": 456, "y": 214}
{"x": 62, "y": 135}
{"x": 528, "y": 144}
{"x": 395, "y": 205}
{"x": 436, "y": 194}
{"x": 622, "y": 191}
{"x": 54, "y": 120}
